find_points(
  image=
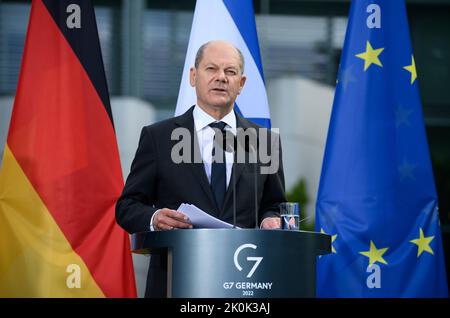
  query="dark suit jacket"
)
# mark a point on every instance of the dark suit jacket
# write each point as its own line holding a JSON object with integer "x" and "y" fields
{"x": 156, "y": 182}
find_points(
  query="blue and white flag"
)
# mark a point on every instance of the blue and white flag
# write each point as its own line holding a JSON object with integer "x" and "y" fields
{"x": 377, "y": 197}
{"x": 232, "y": 21}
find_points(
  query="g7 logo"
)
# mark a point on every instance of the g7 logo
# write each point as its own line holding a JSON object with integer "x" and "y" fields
{"x": 257, "y": 260}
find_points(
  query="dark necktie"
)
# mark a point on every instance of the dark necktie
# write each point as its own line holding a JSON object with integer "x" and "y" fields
{"x": 218, "y": 169}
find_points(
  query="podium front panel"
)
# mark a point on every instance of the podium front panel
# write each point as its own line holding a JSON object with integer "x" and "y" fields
{"x": 238, "y": 263}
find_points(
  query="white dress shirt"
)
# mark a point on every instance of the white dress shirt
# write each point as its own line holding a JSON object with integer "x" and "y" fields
{"x": 205, "y": 136}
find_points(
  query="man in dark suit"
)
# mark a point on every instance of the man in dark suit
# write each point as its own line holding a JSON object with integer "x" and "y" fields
{"x": 157, "y": 185}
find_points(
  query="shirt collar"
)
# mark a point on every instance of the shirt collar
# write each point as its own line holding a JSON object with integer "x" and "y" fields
{"x": 202, "y": 119}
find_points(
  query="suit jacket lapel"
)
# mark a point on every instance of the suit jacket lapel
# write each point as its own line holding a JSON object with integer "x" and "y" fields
{"x": 197, "y": 167}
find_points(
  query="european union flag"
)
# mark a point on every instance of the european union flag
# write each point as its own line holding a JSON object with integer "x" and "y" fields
{"x": 377, "y": 197}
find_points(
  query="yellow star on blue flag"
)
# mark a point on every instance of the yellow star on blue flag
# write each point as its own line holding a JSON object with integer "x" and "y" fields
{"x": 370, "y": 56}
{"x": 423, "y": 243}
{"x": 375, "y": 254}
{"x": 412, "y": 69}
{"x": 333, "y": 238}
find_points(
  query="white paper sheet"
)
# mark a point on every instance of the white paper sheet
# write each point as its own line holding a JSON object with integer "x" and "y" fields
{"x": 202, "y": 220}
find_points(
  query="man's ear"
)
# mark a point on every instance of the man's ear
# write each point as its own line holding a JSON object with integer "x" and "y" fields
{"x": 192, "y": 75}
{"x": 242, "y": 82}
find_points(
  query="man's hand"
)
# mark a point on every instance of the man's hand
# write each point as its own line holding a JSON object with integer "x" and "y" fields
{"x": 271, "y": 223}
{"x": 166, "y": 219}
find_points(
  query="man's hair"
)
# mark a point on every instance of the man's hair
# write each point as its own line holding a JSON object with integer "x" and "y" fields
{"x": 201, "y": 52}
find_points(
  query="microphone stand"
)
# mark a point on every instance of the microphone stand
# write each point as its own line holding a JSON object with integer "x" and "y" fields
{"x": 233, "y": 174}
{"x": 231, "y": 147}
{"x": 252, "y": 153}
{"x": 250, "y": 149}
{"x": 255, "y": 181}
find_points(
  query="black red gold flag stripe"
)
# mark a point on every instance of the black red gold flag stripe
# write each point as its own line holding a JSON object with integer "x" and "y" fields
{"x": 61, "y": 172}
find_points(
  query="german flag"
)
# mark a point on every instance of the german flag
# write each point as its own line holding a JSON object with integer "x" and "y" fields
{"x": 61, "y": 172}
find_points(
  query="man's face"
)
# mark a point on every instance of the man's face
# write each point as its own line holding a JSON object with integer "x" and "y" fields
{"x": 218, "y": 79}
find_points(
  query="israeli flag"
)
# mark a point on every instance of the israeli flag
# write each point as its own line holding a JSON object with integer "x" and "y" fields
{"x": 232, "y": 21}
